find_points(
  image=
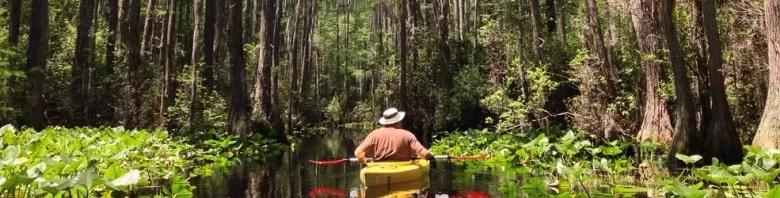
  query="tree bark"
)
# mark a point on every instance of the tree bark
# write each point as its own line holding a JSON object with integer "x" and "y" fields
{"x": 237, "y": 121}
{"x": 168, "y": 95}
{"x": 79, "y": 86}
{"x": 195, "y": 110}
{"x": 444, "y": 47}
{"x": 402, "y": 53}
{"x": 294, "y": 48}
{"x": 535, "y": 30}
{"x": 685, "y": 133}
{"x": 560, "y": 24}
{"x": 599, "y": 46}
{"x": 703, "y": 76}
{"x": 306, "y": 60}
{"x": 721, "y": 137}
{"x": 36, "y": 64}
{"x": 261, "y": 95}
{"x": 210, "y": 32}
{"x": 15, "y": 22}
{"x": 130, "y": 29}
{"x": 656, "y": 124}
{"x": 606, "y": 72}
{"x": 107, "y": 111}
{"x": 768, "y": 134}
{"x": 148, "y": 25}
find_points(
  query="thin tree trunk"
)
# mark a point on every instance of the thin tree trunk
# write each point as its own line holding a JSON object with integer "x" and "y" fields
{"x": 476, "y": 33}
{"x": 293, "y": 46}
{"x": 768, "y": 134}
{"x": 107, "y": 112}
{"x": 209, "y": 42}
{"x": 685, "y": 133}
{"x": 599, "y": 45}
{"x": 307, "y": 57}
{"x": 36, "y": 64}
{"x": 130, "y": 29}
{"x": 195, "y": 110}
{"x": 606, "y": 72}
{"x": 148, "y": 25}
{"x": 80, "y": 71}
{"x": 402, "y": 19}
{"x": 722, "y": 138}
{"x": 237, "y": 122}
{"x": 249, "y": 19}
{"x": 276, "y": 115}
{"x": 15, "y": 22}
{"x": 560, "y": 23}
{"x": 656, "y": 124}
{"x": 535, "y": 37}
{"x": 168, "y": 95}
{"x": 550, "y": 16}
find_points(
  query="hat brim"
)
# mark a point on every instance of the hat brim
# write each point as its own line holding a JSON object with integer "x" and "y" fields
{"x": 398, "y": 118}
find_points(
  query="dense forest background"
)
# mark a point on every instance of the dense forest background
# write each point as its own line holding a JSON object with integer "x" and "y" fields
{"x": 698, "y": 75}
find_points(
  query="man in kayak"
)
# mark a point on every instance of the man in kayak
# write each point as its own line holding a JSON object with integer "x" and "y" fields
{"x": 392, "y": 143}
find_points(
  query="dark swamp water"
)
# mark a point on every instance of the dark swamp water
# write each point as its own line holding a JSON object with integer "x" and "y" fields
{"x": 291, "y": 175}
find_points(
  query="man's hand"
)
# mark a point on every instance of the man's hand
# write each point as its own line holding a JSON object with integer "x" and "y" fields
{"x": 431, "y": 159}
{"x": 363, "y": 160}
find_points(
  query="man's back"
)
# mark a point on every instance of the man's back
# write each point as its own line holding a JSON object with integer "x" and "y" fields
{"x": 391, "y": 144}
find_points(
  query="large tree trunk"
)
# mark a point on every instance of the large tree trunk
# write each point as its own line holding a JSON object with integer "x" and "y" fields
{"x": 685, "y": 133}
{"x": 15, "y": 22}
{"x": 36, "y": 64}
{"x": 261, "y": 94}
{"x": 168, "y": 95}
{"x": 130, "y": 29}
{"x": 703, "y": 76}
{"x": 195, "y": 110}
{"x": 656, "y": 124}
{"x": 768, "y": 134}
{"x": 79, "y": 86}
{"x": 721, "y": 137}
{"x": 237, "y": 122}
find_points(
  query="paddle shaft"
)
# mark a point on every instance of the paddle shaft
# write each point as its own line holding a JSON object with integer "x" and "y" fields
{"x": 340, "y": 161}
{"x": 438, "y": 157}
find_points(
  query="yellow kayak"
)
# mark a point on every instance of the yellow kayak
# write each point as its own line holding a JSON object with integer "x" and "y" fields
{"x": 384, "y": 173}
{"x": 410, "y": 189}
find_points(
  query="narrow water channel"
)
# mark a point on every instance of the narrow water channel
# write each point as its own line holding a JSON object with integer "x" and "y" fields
{"x": 291, "y": 175}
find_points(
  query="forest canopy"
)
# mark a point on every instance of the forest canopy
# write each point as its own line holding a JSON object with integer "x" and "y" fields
{"x": 699, "y": 76}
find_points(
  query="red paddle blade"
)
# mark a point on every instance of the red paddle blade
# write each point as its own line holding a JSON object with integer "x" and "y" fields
{"x": 328, "y": 163}
{"x": 323, "y": 191}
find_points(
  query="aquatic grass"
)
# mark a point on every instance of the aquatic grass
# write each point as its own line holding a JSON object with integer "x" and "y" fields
{"x": 84, "y": 162}
{"x": 574, "y": 166}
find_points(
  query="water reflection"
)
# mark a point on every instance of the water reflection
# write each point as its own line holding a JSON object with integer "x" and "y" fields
{"x": 290, "y": 175}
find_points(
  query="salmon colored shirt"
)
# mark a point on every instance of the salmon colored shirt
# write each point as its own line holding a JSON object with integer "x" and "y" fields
{"x": 391, "y": 144}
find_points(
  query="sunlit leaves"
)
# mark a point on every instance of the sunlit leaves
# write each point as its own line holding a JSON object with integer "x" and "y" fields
{"x": 688, "y": 159}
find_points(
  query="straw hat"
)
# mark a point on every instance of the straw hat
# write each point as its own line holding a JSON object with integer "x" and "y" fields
{"x": 391, "y": 116}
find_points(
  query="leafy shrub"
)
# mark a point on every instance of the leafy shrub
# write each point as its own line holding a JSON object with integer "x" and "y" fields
{"x": 84, "y": 161}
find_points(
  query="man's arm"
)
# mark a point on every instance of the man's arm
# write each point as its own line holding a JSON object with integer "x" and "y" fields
{"x": 363, "y": 149}
{"x": 420, "y": 150}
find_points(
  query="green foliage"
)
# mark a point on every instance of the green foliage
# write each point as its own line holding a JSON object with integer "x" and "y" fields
{"x": 578, "y": 166}
{"x": 84, "y": 161}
